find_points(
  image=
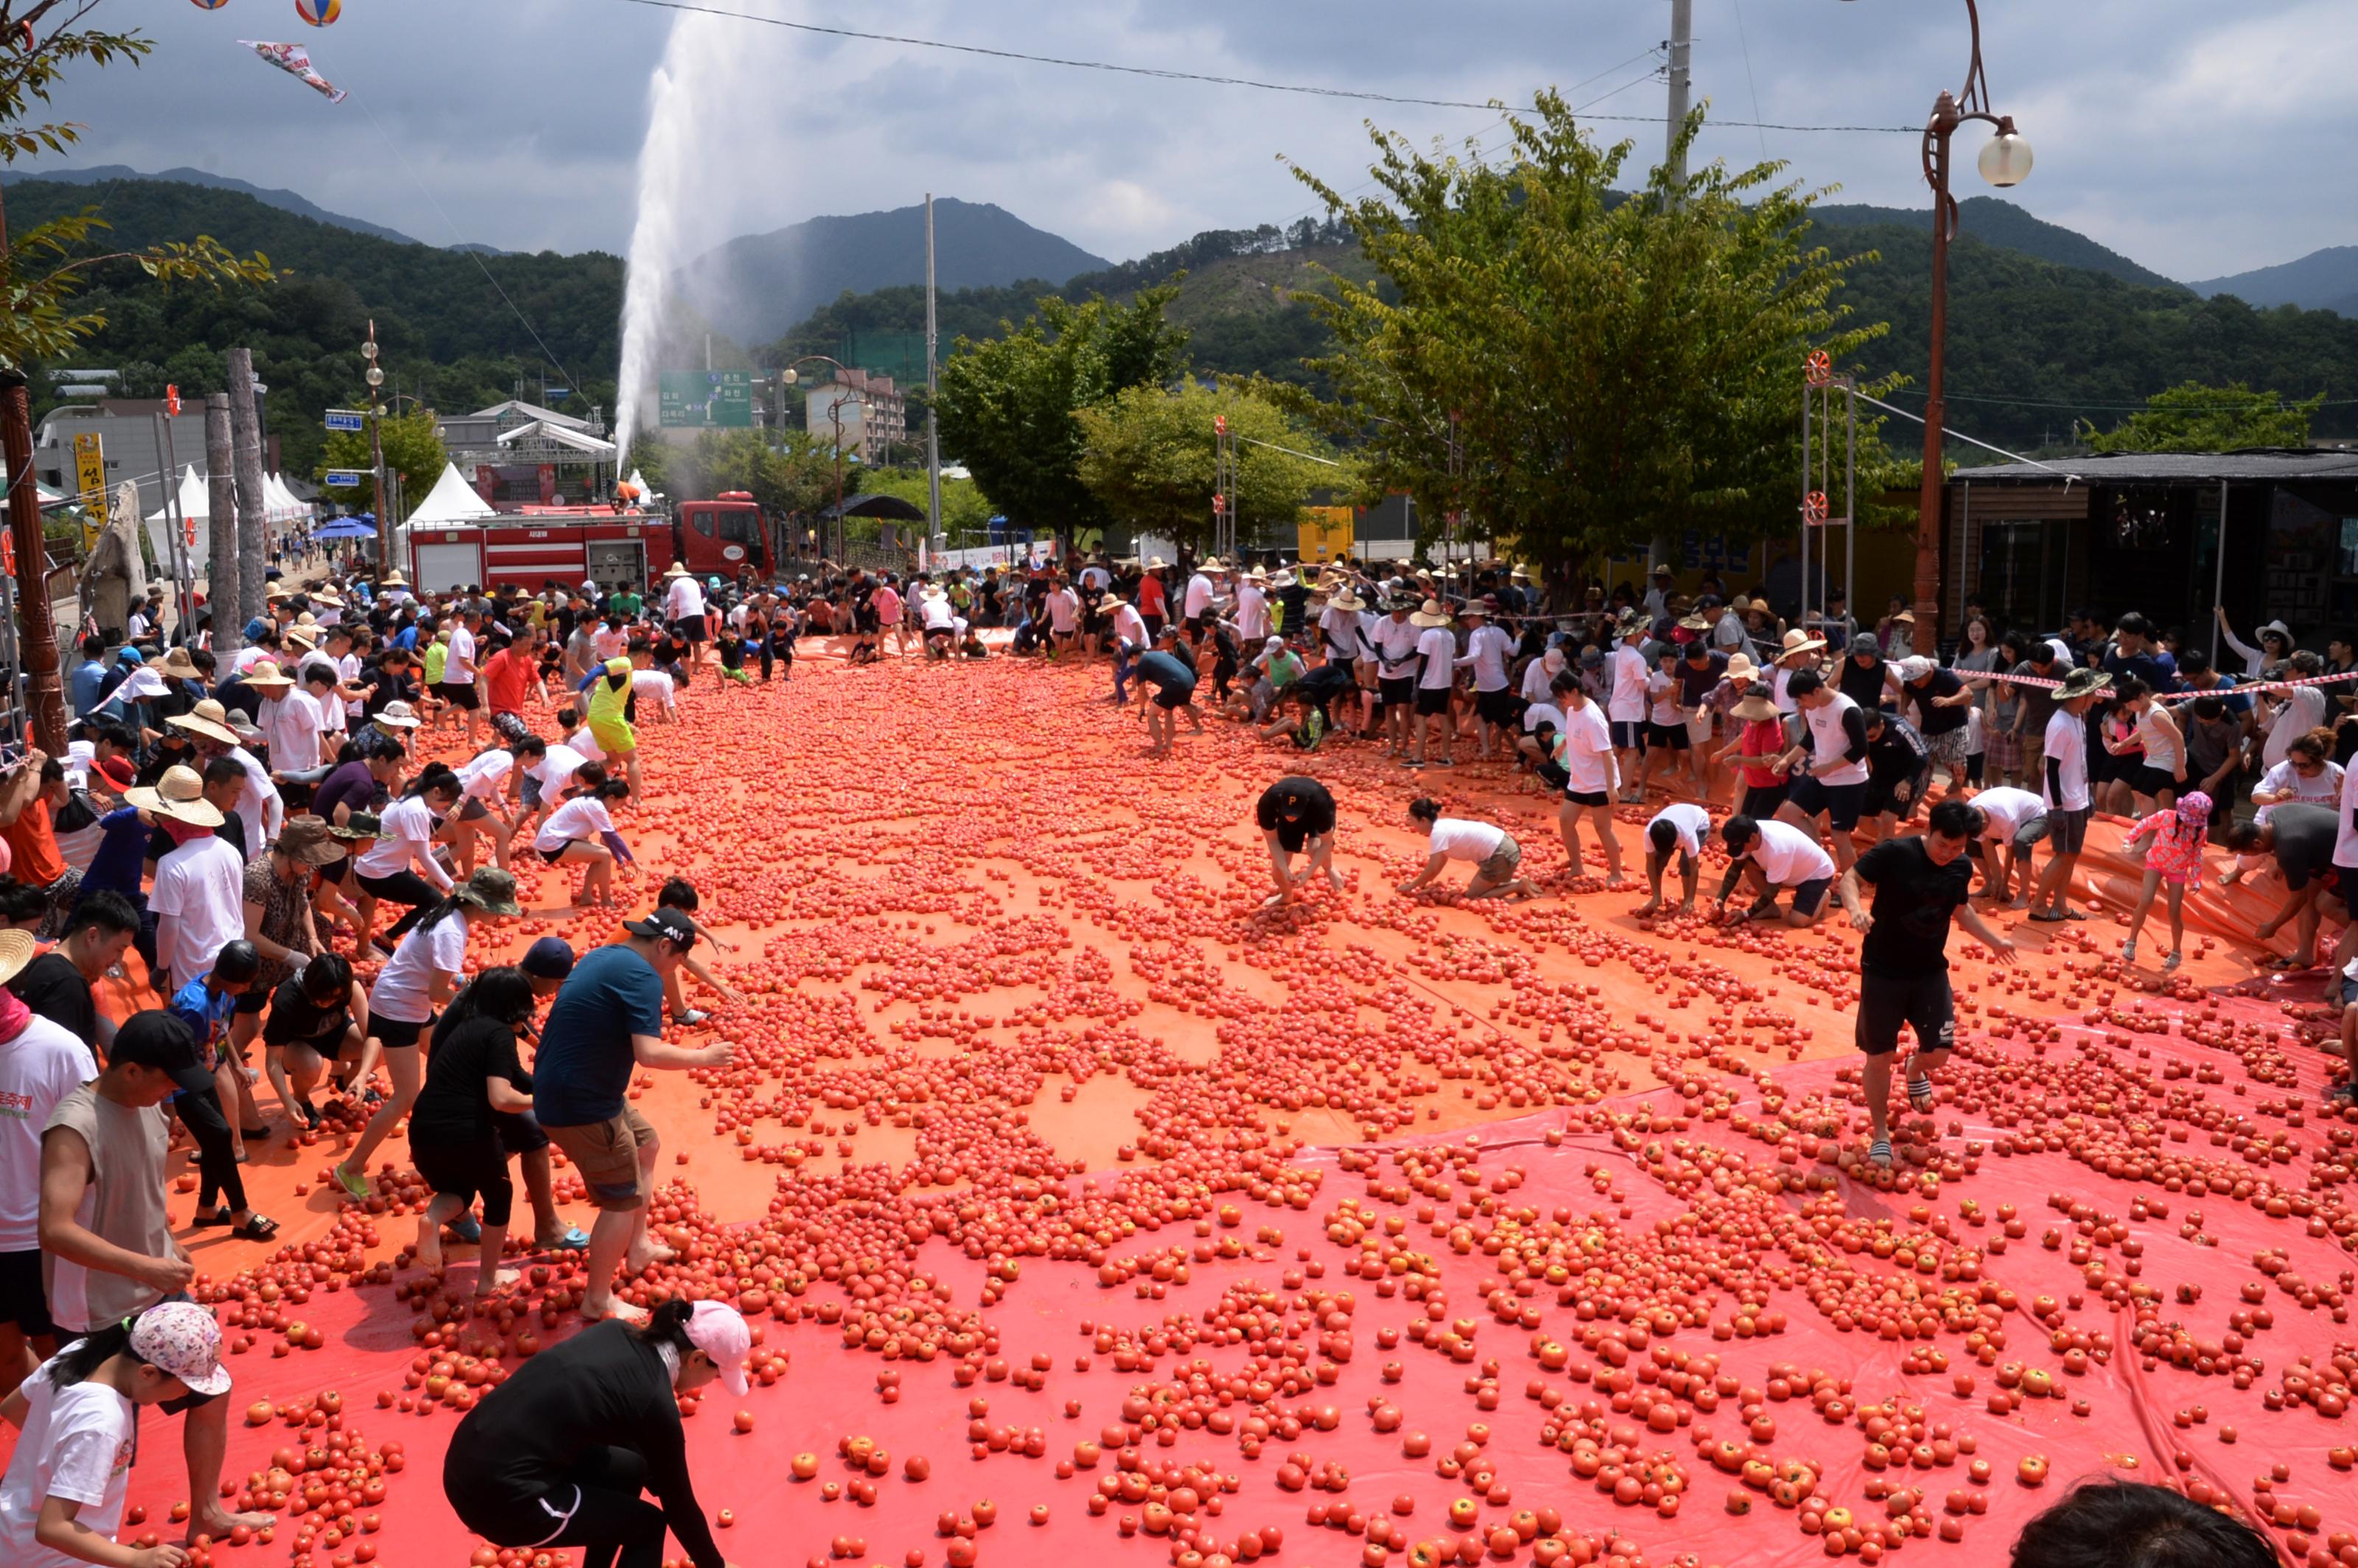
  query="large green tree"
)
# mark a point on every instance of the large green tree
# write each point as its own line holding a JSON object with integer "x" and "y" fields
{"x": 411, "y": 448}
{"x": 789, "y": 473}
{"x": 1150, "y": 456}
{"x": 1575, "y": 369}
{"x": 2192, "y": 417}
{"x": 1007, "y": 405}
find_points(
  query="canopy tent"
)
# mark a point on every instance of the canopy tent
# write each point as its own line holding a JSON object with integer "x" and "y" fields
{"x": 196, "y": 500}
{"x": 542, "y": 429}
{"x": 196, "y": 505}
{"x": 361, "y": 528}
{"x": 889, "y": 507}
{"x": 279, "y": 502}
{"x": 453, "y": 500}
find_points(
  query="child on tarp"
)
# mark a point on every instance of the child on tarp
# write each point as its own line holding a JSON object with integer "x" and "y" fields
{"x": 2173, "y": 858}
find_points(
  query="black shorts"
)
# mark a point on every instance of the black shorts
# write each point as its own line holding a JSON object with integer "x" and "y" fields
{"x": 23, "y": 1300}
{"x": 1842, "y": 803}
{"x": 1396, "y": 691}
{"x": 253, "y": 999}
{"x": 1586, "y": 799}
{"x": 337, "y": 870}
{"x": 2156, "y": 782}
{"x": 520, "y": 1132}
{"x": 1884, "y": 794}
{"x": 458, "y": 694}
{"x": 1762, "y": 800}
{"x": 1174, "y": 697}
{"x": 1921, "y": 1001}
{"x": 1629, "y": 734}
{"x": 1670, "y": 737}
{"x": 463, "y": 1170}
{"x": 396, "y": 1033}
{"x": 553, "y": 856}
{"x": 1433, "y": 699}
{"x": 1499, "y": 706}
{"x": 692, "y": 626}
{"x": 1808, "y": 895}
{"x": 1553, "y": 776}
{"x": 2068, "y": 830}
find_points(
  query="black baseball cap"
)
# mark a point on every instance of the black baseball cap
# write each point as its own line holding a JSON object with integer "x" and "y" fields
{"x": 550, "y": 959}
{"x": 157, "y": 1039}
{"x": 666, "y": 925}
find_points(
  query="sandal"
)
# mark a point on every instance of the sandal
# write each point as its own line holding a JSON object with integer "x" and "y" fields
{"x": 574, "y": 1240}
{"x": 257, "y": 1227}
{"x": 2047, "y": 917}
{"x": 353, "y": 1182}
{"x": 1879, "y": 1152}
{"x": 466, "y": 1227}
{"x": 211, "y": 1221}
{"x": 1920, "y": 1095}
{"x": 2172, "y": 962}
{"x": 259, "y": 1135}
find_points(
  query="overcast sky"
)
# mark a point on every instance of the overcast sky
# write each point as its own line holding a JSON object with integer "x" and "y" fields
{"x": 2198, "y": 138}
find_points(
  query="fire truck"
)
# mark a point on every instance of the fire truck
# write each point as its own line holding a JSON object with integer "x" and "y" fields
{"x": 610, "y": 545}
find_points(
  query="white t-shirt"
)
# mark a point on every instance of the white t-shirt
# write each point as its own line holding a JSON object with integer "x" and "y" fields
{"x": 2304, "y": 711}
{"x": 1539, "y": 713}
{"x": 2345, "y": 842}
{"x": 39, "y": 1067}
{"x": 1629, "y": 675}
{"x": 1690, "y": 822}
{"x": 406, "y": 839}
{"x": 199, "y": 905}
{"x": 2284, "y": 781}
{"x": 554, "y": 772}
{"x": 1487, "y": 649}
{"x": 584, "y": 816}
{"x": 1789, "y": 856}
{"x": 1539, "y": 681}
{"x": 1460, "y": 839}
{"x": 2067, "y": 750}
{"x": 291, "y": 724}
{"x": 1198, "y": 597}
{"x": 1584, "y": 750}
{"x": 402, "y": 991}
{"x": 1829, "y": 740}
{"x": 1252, "y": 612}
{"x": 486, "y": 777}
{"x": 78, "y": 1444}
{"x": 656, "y": 685}
{"x": 1129, "y": 625}
{"x": 259, "y": 804}
{"x": 1779, "y": 695}
{"x": 2007, "y": 810}
{"x": 458, "y": 668}
{"x": 1439, "y": 650}
{"x": 1064, "y": 609}
{"x": 684, "y": 599}
{"x": 584, "y": 745}
{"x": 1662, "y": 694}
{"x": 939, "y": 615}
{"x": 1341, "y": 629}
{"x": 1395, "y": 641}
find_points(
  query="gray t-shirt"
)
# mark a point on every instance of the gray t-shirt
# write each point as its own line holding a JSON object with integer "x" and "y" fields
{"x": 2304, "y": 846}
{"x": 124, "y": 1204}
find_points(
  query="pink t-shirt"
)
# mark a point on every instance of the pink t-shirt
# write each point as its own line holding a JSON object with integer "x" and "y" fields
{"x": 887, "y": 600}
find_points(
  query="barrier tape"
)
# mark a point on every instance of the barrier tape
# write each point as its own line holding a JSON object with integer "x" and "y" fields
{"x": 2042, "y": 683}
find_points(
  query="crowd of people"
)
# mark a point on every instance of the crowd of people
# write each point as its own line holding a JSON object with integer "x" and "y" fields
{"x": 293, "y": 839}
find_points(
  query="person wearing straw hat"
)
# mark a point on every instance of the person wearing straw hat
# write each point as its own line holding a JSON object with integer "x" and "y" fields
{"x": 1202, "y": 592}
{"x": 2066, "y": 791}
{"x": 259, "y": 804}
{"x": 196, "y": 896}
{"x": 1251, "y": 613}
{"x": 1759, "y": 747}
{"x": 61, "y": 1500}
{"x": 1798, "y": 650}
{"x": 289, "y": 721}
{"x": 424, "y": 973}
{"x": 1488, "y": 646}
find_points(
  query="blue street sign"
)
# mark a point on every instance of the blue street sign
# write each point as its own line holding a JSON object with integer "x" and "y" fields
{"x": 344, "y": 479}
{"x": 344, "y": 419}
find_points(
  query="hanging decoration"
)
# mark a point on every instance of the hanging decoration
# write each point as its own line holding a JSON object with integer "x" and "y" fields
{"x": 295, "y": 61}
{"x": 319, "y": 13}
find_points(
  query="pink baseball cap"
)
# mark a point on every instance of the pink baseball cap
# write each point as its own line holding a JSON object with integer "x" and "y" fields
{"x": 720, "y": 1331}
{"x": 181, "y": 1338}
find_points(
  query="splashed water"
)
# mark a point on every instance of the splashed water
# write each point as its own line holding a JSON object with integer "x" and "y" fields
{"x": 697, "y": 58}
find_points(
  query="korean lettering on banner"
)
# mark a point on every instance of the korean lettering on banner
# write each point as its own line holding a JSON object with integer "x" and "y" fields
{"x": 90, "y": 482}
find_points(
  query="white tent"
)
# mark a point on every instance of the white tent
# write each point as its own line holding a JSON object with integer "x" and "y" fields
{"x": 453, "y": 500}
{"x": 197, "y": 506}
{"x": 279, "y": 502}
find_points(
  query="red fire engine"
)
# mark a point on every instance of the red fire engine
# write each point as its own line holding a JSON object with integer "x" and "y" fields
{"x": 606, "y": 544}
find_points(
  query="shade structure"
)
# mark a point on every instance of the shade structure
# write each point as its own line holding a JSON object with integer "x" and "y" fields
{"x": 453, "y": 500}
{"x": 195, "y": 505}
{"x": 345, "y": 528}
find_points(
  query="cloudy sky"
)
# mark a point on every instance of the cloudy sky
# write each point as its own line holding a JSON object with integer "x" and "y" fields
{"x": 2187, "y": 134}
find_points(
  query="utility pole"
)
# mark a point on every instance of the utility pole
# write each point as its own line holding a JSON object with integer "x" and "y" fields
{"x": 933, "y": 390}
{"x": 220, "y": 547}
{"x": 38, "y": 647}
{"x": 244, "y": 571}
{"x": 1682, "y": 80}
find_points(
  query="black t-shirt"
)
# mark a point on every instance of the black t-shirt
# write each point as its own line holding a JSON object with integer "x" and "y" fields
{"x": 1863, "y": 686}
{"x": 1297, "y": 810}
{"x": 295, "y": 1019}
{"x": 1940, "y": 721}
{"x": 1324, "y": 683}
{"x": 451, "y": 1109}
{"x": 1696, "y": 681}
{"x": 55, "y": 989}
{"x": 2304, "y": 846}
{"x": 1913, "y": 901}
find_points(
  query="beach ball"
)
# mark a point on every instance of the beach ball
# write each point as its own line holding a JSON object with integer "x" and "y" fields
{"x": 211, "y": 4}
{"x": 319, "y": 13}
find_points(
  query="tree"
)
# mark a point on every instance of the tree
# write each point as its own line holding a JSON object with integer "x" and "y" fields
{"x": 966, "y": 515}
{"x": 411, "y": 448}
{"x": 1150, "y": 452}
{"x": 1007, "y": 405}
{"x": 1607, "y": 368}
{"x": 2192, "y": 417}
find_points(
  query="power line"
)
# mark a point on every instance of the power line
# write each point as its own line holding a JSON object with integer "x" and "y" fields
{"x": 1168, "y": 75}
{"x": 2283, "y": 405}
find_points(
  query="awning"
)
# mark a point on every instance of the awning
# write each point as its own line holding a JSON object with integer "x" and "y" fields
{"x": 889, "y": 507}
{"x": 453, "y": 500}
{"x": 344, "y": 528}
{"x": 542, "y": 429}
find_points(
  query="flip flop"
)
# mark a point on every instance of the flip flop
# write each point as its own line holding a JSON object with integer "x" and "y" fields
{"x": 353, "y": 1182}
{"x": 574, "y": 1240}
{"x": 211, "y": 1221}
{"x": 1920, "y": 1095}
{"x": 1879, "y": 1152}
{"x": 2047, "y": 917}
{"x": 257, "y": 1227}
{"x": 259, "y": 1135}
{"x": 466, "y": 1227}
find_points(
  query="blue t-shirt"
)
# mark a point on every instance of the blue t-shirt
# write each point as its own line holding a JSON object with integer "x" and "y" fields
{"x": 583, "y": 1070}
{"x": 207, "y": 1013}
{"x": 121, "y": 858}
{"x": 82, "y": 685}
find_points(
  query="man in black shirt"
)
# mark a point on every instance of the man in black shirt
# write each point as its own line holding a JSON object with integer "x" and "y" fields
{"x": 1297, "y": 814}
{"x": 1920, "y": 884}
{"x": 57, "y": 985}
{"x": 2301, "y": 839}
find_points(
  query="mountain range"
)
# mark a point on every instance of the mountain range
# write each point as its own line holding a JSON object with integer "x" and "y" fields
{"x": 285, "y": 201}
{"x": 2322, "y": 280}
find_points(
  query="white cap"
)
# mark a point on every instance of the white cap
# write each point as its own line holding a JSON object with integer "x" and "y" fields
{"x": 1275, "y": 644}
{"x": 720, "y": 1331}
{"x": 183, "y": 1340}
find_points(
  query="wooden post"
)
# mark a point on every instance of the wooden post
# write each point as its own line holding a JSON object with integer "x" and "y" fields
{"x": 37, "y": 643}
{"x": 253, "y": 501}
{"x": 221, "y": 567}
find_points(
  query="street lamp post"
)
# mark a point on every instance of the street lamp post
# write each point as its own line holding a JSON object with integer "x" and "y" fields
{"x": 375, "y": 376}
{"x": 2005, "y": 161}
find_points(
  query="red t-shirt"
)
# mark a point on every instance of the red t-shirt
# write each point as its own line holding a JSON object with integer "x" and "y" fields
{"x": 507, "y": 674}
{"x": 1150, "y": 594}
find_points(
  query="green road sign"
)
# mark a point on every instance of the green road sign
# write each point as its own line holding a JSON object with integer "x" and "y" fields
{"x": 706, "y": 400}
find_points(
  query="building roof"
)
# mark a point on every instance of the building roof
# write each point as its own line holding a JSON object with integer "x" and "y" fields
{"x": 2265, "y": 463}
{"x": 519, "y": 407}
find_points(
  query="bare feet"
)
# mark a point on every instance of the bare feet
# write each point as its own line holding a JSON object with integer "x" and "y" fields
{"x": 487, "y": 1280}
{"x": 1647, "y": 908}
{"x": 429, "y": 1249}
{"x": 599, "y": 1312}
{"x": 647, "y": 1255}
{"x": 217, "y": 1522}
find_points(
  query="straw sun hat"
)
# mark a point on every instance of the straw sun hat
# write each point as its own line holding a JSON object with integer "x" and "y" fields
{"x": 180, "y": 795}
{"x": 1431, "y": 615}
